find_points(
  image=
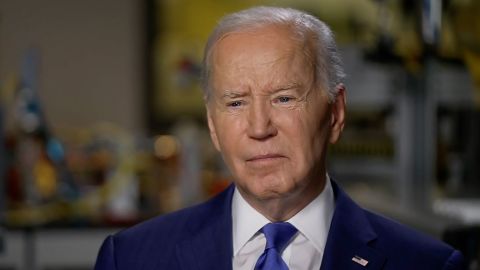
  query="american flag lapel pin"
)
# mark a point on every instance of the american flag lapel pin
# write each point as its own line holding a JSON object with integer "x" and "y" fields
{"x": 360, "y": 260}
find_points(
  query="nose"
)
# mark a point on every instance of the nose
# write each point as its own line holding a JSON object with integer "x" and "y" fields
{"x": 260, "y": 125}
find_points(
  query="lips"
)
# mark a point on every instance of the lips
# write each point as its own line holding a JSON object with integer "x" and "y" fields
{"x": 265, "y": 157}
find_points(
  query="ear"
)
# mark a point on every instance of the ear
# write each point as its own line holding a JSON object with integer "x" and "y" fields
{"x": 211, "y": 127}
{"x": 338, "y": 114}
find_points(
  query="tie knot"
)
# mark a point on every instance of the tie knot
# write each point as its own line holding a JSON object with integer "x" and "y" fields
{"x": 278, "y": 234}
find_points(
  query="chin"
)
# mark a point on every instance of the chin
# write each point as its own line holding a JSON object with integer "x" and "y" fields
{"x": 270, "y": 190}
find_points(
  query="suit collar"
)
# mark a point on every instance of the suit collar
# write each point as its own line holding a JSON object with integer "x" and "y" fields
{"x": 350, "y": 235}
{"x": 209, "y": 245}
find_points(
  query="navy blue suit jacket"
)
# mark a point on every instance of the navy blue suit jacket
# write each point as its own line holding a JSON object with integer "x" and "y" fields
{"x": 200, "y": 238}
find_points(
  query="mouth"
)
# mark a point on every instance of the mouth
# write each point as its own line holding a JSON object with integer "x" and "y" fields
{"x": 265, "y": 158}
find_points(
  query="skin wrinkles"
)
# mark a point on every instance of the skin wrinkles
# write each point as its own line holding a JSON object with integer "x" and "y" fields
{"x": 290, "y": 96}
{"x": 270, "y": 119}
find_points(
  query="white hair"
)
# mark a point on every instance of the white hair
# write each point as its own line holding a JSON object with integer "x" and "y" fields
{"x": 327, "y": 62}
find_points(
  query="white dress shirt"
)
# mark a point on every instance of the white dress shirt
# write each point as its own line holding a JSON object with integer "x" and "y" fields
{"x": 305, "y": 251}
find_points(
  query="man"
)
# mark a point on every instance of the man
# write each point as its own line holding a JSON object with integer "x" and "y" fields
{"x": 275, "y": 100}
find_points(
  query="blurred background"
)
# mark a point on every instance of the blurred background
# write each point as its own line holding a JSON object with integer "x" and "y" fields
{"x": 102, "y": 124}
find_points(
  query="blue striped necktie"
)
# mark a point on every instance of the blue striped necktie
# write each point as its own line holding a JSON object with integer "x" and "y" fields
{"x": 278, "y": 236}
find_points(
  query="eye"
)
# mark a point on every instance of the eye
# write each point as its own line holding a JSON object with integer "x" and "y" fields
{"x": 234, "y": 104}
{"x": 284, "y": 99}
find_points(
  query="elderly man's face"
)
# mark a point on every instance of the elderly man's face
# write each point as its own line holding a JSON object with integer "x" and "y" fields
{"x": 267, "y": 116}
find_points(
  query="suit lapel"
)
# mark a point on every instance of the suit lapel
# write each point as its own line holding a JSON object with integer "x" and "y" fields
{"x": 349, "y": 237}
{"x": 210, "y": 243}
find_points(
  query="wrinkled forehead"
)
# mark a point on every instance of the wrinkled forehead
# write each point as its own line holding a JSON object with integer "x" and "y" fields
{"x": 260, "y": 56}
{"x": 283, "y": 36}
{"x": 272, "y": 47}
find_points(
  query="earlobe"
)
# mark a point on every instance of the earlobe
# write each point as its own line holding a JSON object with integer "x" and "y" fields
{"x": 338, "y": 115}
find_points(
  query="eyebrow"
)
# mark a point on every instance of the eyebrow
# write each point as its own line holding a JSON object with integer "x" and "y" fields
{"x": 237, "y": 94}
{"x": 232, "y": 94}
{"x": 289, "y": 86}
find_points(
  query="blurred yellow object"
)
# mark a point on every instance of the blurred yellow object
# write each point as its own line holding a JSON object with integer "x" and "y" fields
{"x": 45, "y": 179}
{"x": 472, "y": 59}
{"x": 7, "y": 91}
{"x": 166, "y": 146}
{"x": 185, "y": 26}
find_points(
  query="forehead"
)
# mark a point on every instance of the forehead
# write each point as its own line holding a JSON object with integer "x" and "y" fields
{"x": 268, "y": 37}
{"x": 259, "y": 53}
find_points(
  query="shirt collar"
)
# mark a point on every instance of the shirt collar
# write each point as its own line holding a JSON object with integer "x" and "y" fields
{"x": 246, "y": 221}
{"x": 313, "y": 221}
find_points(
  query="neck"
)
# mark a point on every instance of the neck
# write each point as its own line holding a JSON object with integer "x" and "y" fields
{"x": 286, "y": 206}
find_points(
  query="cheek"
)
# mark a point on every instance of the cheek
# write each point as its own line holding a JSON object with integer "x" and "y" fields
{"x": 229, "y": 130}
{"x": 309, "y": 135}
{"x": 225, "y": 144}
{"x": 297, "y": 136}
{"x": 320, "y": 140}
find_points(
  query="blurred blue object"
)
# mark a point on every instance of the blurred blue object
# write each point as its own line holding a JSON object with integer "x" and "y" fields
{"x": 55, "y": 150}
{"x": 29, "y": 110}
{"x": 33, "y": 122}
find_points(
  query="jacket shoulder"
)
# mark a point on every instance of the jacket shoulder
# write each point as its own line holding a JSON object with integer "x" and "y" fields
{"x": 155, "y": 240}
{"x": 403, "y": 245}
